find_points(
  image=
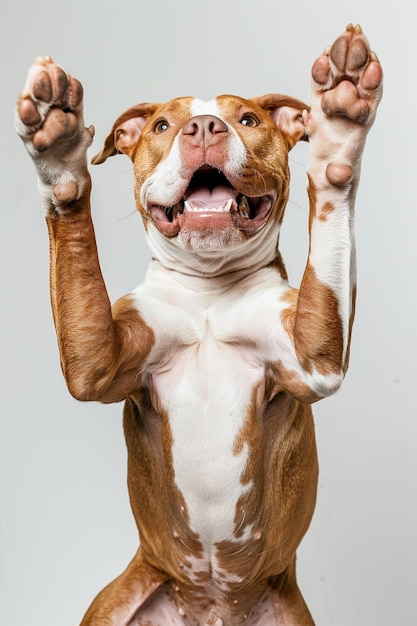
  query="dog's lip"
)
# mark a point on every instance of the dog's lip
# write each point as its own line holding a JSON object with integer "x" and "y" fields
{"x": 210, "y": 193}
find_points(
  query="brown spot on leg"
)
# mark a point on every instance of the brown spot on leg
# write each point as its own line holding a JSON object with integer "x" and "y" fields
{"x": 327, "y": 208}
{"x": 318, "y": 329}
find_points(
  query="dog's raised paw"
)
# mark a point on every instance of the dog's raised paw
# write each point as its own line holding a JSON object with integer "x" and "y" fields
{"x": 49, "y": 119}
{"x": 49, "y": 107}
{"x": 349, "y": 77}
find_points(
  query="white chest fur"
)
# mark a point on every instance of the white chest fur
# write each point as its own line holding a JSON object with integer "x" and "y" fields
{"x": 206, "y": 394}
{"x": 205, "y": 371}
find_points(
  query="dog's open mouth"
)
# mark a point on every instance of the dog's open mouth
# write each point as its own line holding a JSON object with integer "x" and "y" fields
{"x": 211, "y": 195}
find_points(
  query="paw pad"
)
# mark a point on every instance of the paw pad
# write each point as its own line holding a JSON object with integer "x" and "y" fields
{"x": 349, "y": 77}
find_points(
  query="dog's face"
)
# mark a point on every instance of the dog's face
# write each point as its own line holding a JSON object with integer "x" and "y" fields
{"x": 209, "y": 175}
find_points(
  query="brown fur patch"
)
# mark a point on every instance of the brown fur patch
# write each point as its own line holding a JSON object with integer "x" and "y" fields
{"x": 318, "y": 329}
{"x": 325, "y": 210}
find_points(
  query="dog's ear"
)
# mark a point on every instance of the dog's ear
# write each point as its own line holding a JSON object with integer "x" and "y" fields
{"x": 289, "y": 115}
{"x": 125, "y": 132}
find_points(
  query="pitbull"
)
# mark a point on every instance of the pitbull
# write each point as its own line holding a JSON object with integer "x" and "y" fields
{"x": 217, "y": 358}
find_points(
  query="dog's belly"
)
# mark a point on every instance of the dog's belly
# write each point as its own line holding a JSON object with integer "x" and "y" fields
{"x": 208, "y": 391}
{"x": 216, "y": 435}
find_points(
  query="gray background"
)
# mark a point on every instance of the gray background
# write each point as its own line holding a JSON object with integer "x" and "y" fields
{"x": 65, "y": 523}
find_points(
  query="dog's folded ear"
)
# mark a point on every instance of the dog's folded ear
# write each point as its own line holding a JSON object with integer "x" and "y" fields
{"x": 125, "y": 132}
{"x": 288, "y": 114}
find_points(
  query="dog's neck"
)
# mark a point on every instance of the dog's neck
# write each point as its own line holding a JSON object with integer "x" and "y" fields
{"x": 241, "y": 260}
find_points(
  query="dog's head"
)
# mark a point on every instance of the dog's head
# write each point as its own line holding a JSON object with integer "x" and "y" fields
{"x": 211, "y": 178}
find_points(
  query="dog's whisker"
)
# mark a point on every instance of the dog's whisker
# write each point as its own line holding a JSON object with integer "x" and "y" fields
{"x": 302, "y": 208}
{"x": 295, "y": 162}
{"x": 273, "y": 549}
{"x": 127, "y": 216}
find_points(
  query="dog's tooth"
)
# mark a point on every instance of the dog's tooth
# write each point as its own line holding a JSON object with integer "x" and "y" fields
{"x": 244, "y": 207}
{"x": 172, "y": 211}
{"x": 178, "y": 208}
{"x": 204, "y": 209}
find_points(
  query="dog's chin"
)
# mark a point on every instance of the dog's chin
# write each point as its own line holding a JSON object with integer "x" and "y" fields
{"x": 209, "y": 239}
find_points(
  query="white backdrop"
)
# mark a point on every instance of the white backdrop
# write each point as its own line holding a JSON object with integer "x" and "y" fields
{"x": 65, "y": 523}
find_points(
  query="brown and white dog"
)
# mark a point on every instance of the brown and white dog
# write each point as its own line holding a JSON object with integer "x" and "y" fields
{"x": 217, "y": 357}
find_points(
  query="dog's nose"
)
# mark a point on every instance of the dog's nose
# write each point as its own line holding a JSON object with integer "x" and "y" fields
{"x": 202, "y": 127}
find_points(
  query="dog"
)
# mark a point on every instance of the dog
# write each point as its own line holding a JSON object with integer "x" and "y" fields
{"x": 217, "y": 357}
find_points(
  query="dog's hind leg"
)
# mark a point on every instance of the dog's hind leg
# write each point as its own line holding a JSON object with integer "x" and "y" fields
{"x": 290, "y": 608}
{"x": 118, "y": 604}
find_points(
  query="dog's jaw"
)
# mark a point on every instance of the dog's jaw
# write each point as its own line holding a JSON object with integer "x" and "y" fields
{"x": 211, "y": 202}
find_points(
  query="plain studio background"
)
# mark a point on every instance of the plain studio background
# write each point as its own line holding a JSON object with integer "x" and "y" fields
{"x": 65, "y": 522}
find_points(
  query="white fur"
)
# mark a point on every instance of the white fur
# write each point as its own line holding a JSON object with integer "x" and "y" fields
{"x": 204, "y": 107}
{"x": 332, "y": 257}
{"x": 165, "y": 183}
{"x": 253, "y": 254}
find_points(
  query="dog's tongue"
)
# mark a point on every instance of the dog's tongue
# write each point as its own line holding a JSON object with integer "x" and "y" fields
{"x": 204, "y": 197}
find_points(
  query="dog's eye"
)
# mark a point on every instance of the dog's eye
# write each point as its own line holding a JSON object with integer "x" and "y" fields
{"x": 161, "y": 126}
{"x": 249, "y": 120}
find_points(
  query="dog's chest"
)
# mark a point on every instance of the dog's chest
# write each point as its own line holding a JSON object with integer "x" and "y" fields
{"x": 212, "y": 346}
{"x": 207, "y": 375}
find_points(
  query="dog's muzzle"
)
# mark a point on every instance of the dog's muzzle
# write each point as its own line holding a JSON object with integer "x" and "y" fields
{"x": 210, "y": 194}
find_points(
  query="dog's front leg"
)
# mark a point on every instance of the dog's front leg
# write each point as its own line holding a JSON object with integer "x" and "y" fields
{"x": 347, "y": 87}
{"x": 99, "y": 359}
